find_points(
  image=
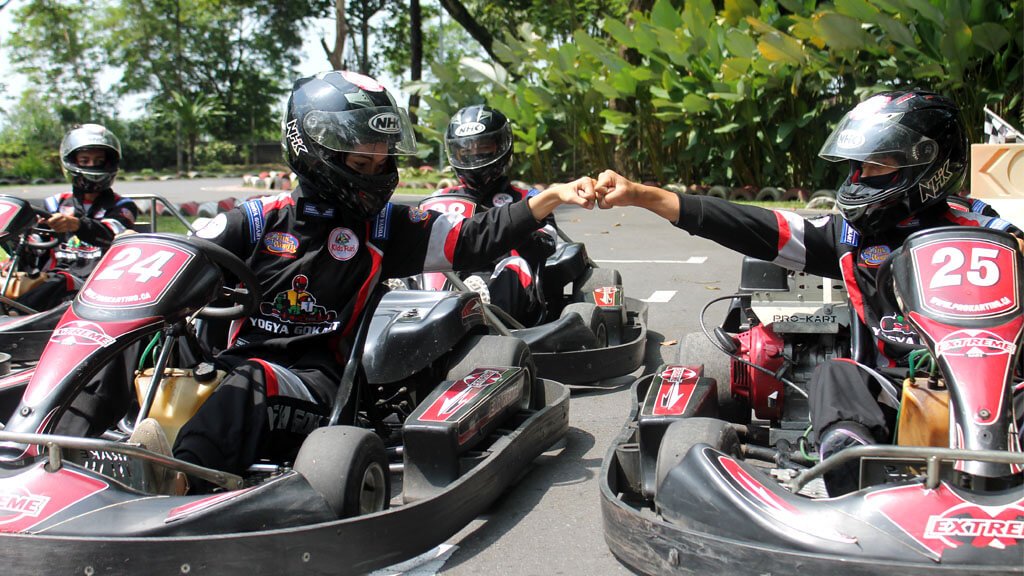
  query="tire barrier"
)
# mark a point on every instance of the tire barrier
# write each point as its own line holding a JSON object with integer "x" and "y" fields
{"x": 718, "y": 192}
{"x": 823, "y": 199}
{"x": 769, "y": 194}
{"x": 226, "y": 204}
{"x": 744, "y": 194}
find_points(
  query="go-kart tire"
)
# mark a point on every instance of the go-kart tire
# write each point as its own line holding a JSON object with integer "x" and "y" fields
{"x": 348, "y": 466}
{"x": 592, "y": 317}
{"x": 684, "y": 434}
{"x": 491, "y": 350}
{"x": 593, "y": 278}
{"x": 694, "y": 349}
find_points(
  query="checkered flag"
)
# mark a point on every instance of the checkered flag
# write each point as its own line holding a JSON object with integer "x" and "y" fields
{"x": 1000, "y": 131}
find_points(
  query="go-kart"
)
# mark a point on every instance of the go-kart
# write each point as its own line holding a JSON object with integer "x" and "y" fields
{"x": 443, "y": 423}
{"x": 591, "y": 331}
{"x": 685, "y": 491}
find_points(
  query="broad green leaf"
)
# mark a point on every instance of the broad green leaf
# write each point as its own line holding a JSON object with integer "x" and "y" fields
{"x": 695, "y": 104}
{"x": 956, "y": 44}
{"x": 779, "y": 47}
{"x": 736, "y": 10}
{"x": 897, "y": 31}
{"x": 760, "y": 26}
{"x": 740, "y": 43}
{"x": 785, "y": 129}
{"x": 731, "y": 127}
{"x": 803, "y": 29}
{"x": 624, "y": 82}
{"x": 990, "y": 36}
{"x": 665, "y": 14}
{"x": 841, "y": 32}
{"x": 606, "y": 89}
{"x": 494, "y": 73}
{"x": 926, "y": 9}
{"x": 620, "y": 32}
{"x": 659, "y": 92}
{"x": 734, "y": 68}
{"x": 859, "y": 9}
{"x": 504, "y": 53}
{"x": 727, "y": 96}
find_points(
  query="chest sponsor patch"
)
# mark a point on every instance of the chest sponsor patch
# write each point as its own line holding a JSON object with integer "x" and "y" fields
{"x": 501, "y": 198}
{"x": 873, "y": 256}
{"x": 281, "y": 243}
{"x": 418, "y": 214}
{"x": 342, "y": 244}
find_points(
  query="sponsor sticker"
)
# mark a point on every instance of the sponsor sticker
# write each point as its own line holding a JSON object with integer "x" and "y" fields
{"x": 974, "y": 344}
{"x": 502, "y": 198}
{"x": 386, "y": 123}
{"x": 81, "y": 333}
{"x": 607, "y": 296}
{"x": 281, "y": 243}
{"x": 874, "y": 255}
{"x": 418, "y": 214}
{"x": 342, "y": 244}
{"x": 850, "y": 139}
{"x": 291, "y": 133}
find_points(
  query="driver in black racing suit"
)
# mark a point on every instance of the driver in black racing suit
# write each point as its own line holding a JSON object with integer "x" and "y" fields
{"x": 318, "y": 253}
{"x": 907, "y": 153}
{"x": 479, "y": 145}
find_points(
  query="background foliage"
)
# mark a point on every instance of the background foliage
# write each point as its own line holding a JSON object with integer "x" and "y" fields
{"x": 735, "y": 92}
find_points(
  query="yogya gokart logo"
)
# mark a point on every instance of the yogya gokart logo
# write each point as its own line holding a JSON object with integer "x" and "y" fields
{"x": 298, "y": 305}
{"x": 974, "y": 344}
{"x": 81, "y": 333}
{"x": 19, "y": 503}
{"x": 896, "y": 324}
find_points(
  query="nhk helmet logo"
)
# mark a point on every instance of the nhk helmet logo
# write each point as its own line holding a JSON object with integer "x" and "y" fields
{"x": 974, "y": 344}
{"x": 386, "y": 123}
{"x": 469, "y": 129}
{"x": 79, "y": 332}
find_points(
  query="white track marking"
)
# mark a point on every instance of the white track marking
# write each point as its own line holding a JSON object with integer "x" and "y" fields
{"x": 660, "y": 296}
{"x": 690, "y": 260}
{"x": 426, "y": 564}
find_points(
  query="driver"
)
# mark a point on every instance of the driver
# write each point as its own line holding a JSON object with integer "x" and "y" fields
{"x": 327, "y": 245}
{"x": 87, "y": 218}
{"x": 907, "y": 153}
{"x": 478, "y": 142}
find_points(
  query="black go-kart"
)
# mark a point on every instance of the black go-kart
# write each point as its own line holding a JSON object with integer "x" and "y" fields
{"x": 591, "y": 333}
{"x": 713, "y": 472}
{"x": 426, "y": 433}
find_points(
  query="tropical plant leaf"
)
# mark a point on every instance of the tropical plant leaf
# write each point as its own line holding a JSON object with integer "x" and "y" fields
{"x": 841, "y": 32}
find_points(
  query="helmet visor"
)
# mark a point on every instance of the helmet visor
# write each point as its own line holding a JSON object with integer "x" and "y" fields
{"x": 383, "y": 130}
{"x": 878, "y": 139}
{"x": 478, "y": 150}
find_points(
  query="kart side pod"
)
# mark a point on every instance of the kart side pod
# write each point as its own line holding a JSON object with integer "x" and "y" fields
{"x": 453, "y": 420}
{"x": 676, "y": 392}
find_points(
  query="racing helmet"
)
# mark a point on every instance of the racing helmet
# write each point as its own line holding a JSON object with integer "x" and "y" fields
{"x": 920, "y": 134}
{"x": 90, "y": 137}
{"x": 333, "y": 115}
{"x": 478, "y": 142}
{"x": 300, "y": 282}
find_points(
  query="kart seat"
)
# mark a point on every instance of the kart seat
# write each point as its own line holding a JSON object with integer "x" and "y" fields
{"x": 567, "y": 264}
{"x": 562, "y": 335}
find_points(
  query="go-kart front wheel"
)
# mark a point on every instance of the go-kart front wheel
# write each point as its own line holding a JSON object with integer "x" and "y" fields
{"x": 348, "y": 466}
{"x": 696, "y": 349}
{"x": 684, "y": 434}
{"x": 592, "y": 318}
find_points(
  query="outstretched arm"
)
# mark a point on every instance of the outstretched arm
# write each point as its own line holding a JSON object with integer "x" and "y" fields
{"x": 579, "y": 192}
{"x": 616, "y": 190}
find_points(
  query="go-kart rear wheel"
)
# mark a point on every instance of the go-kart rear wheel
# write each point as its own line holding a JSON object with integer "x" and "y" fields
{"x": 694, "y": 349}
{"x": 592, "y": 317}
{"x": 348, "y": 466}
{"x": 683, "y": 434}
{"x": 490, "y": 350}
{"x": 594, "y": 278}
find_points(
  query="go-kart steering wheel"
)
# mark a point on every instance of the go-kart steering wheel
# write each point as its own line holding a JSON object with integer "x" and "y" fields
{"x": 246, "y": 299}
{"x": 884, "y": 284}
{"x": 47, "y": 232}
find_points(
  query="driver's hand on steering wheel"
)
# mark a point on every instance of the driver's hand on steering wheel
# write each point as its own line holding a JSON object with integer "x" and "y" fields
{"x": 61, "y": 223}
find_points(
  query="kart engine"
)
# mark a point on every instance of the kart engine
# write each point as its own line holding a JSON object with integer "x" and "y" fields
{"x": 791, "y": 322}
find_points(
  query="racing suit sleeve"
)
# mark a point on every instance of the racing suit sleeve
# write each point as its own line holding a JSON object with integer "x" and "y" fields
{"x": 101, "y": 231}
{"x": 778, "y": 236}
{"x": 230, "y": 230}
{"x": 429, "y": 241}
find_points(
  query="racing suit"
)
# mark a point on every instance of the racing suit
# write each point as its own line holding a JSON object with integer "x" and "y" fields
{"x": 860, "y": 388}
{"x": 514, "y": 282}
{"x": 78, "y": 253}
{"x": 317, "y": 267}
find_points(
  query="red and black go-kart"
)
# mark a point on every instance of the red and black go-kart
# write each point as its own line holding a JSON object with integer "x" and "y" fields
{"x": 684, "y": 491}
{"x": 592, "y": 332}
{"x": 427, "y": 432}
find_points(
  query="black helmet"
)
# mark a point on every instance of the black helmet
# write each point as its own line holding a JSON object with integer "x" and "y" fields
{"x": 333, "y": 114}
{"x": 90, "y": 137}
{"x": 920, "y": 134}
{"x": 479, "y": 146}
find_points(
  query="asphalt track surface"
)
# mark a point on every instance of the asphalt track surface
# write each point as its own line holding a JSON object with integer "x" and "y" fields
{"x": 550, "y": 523}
